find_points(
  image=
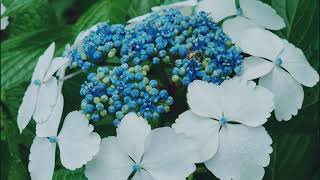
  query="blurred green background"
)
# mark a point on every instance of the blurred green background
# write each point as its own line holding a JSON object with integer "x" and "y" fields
{"x": 34, "y": 24}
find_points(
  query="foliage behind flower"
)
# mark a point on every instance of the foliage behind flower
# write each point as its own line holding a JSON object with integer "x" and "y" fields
{"x": 188, "y": 65}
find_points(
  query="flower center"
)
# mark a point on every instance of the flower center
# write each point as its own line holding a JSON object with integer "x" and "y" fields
{"x": 278, "y": 61}
{"x": 222, "y": 121}
{"x": 52, "y": 139}
{"x": 37, "y": 82}
{"x": 136, "y": 167}
{"x": 239, "y": 12}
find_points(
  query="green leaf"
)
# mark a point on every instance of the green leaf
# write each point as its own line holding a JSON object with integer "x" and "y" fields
{"x": 20, "y": 54}
{"x": 294, "y": 156}
{"x": 307, "y": 121}
{"x": 140, "y": 7}
{"x": 37, "y": 15}
{"x": 17, "y": 5}
{"x": 113, "y": 10}
{"x": 64, "y": 174}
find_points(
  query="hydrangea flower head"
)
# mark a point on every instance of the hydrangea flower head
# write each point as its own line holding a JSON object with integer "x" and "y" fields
{"x": 123, "y": 90}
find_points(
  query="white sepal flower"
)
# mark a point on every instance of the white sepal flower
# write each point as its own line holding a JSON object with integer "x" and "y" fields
{"x": 281, "y": 67}
{"x": 185, "y": 7}
{"x": 153, "y": 155}
{"x": 41, "y": 96}
{"x": 77, "y": 145}
{"x": 4, "y": 20}
{"x": 252, "y": 13}
{"x": 254, "y": 10}
{"x": 225, "y": 147}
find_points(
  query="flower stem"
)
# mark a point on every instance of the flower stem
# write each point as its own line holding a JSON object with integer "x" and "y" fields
{"x": 70, "y": 75}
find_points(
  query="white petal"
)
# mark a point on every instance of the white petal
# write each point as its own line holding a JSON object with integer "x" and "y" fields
{"x": 43, "y": 63}
{"x": 218, "y": 9}
{"x": 262, "y": 14}
{"x": 77, "y": 143}
{"x": 4, "y": 22}
{"x": 240, "y": 145}
{"x": 47, "y": 99}
{"x": 255, "y": 67}
{"x": 55, "y": 65}
{"x": 246, "y": 103}
{"x": 50, "y": 128}
{"x": 261, "y": 43}
{"x": 142, "y": 175}
{"x": 27, "y": 106}
{"x": 204, "y": 99}
{"x": 42, "y": 159}
{"x": 186, "y": 7}
{"x": 2, "y": 9}
{"x": 251, "y": 172}
{"x": 295, "y": 62}
{"x": 203, "y": 131}
{"x": 131, "y": 134}
{"x": 110, "y": 162}
{"x": 288, "y": 93}
{"x": 167, "y": 156}
{"x": 235, "y": 27}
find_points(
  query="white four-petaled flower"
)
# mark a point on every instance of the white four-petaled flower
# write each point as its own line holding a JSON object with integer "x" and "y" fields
{"x": 152, "y": 155}
{"x": 225, "y": 123}
{"x": 251, "y": 13}
{"x": 282, "y": 69}
{"x": 77, "y": 145}
{"x": 41, "y": 96}
{"x": 4, "y": 20}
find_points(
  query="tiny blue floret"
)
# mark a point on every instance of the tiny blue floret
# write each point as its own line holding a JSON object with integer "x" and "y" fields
{"x": 136, "y": 167}
{"x": 37, "y": 82}
{"x": 278, "y": 61}
{"x": 52, "y": 139}
{"x": 222, "y": 121}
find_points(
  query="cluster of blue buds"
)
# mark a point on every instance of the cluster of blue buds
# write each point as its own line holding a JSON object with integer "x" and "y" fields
{"x": 121, "y": 90}
{"x": 100, "y": 44}
{"x": 214, "y": 69}
{"x": 197, "y": 46}
{"x": 193, "y": 47}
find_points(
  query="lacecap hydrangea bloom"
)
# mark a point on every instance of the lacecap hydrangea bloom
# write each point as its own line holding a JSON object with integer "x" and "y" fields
{"x": 133, "y": 76}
